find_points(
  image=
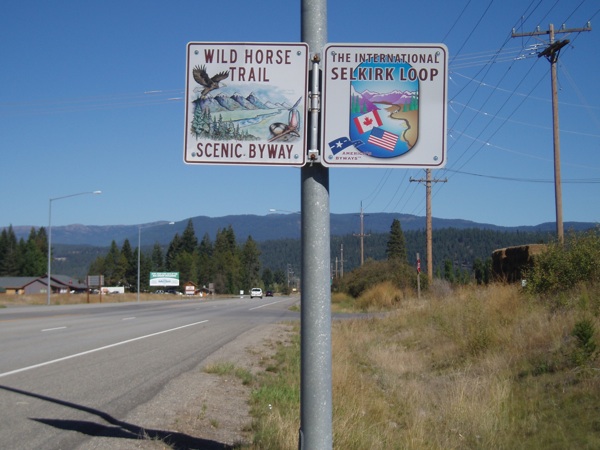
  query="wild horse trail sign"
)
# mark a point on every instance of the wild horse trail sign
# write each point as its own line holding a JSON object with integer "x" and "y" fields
{"x": 246, "y": 103}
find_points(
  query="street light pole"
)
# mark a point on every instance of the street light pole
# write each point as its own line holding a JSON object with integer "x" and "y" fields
{"x": 139, "y": 256}
{"x": 49, "y": 289}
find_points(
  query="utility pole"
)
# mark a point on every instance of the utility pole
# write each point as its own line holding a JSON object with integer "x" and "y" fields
{"x": 362, "y": 235}
{"x": 342, "y": 260}
{"x": 428, "y": 225}
{"x": 551, "y": 53}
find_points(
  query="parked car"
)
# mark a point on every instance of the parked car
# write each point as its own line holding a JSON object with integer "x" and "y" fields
{"x": 256, "y": 292}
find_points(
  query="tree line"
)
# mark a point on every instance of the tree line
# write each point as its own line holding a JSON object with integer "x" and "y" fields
{"x": 23, "y": 258}
{"x": 229, "y": 266}
{"x": 459, "y": 255}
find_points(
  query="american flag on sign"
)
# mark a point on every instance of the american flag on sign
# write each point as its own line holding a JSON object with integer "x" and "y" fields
{"x": 383, "y": 139}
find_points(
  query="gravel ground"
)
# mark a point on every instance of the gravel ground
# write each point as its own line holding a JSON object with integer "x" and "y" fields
{"x": 198, "y": 410}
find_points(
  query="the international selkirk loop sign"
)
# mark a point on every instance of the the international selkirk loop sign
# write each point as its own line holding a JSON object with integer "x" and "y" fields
{"x": 384, "y": 105}
{"x": 246, "y": 103}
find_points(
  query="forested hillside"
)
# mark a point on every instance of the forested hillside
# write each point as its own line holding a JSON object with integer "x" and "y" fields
{"x": 460, "y": 247}
{"x": 457, "y": 249}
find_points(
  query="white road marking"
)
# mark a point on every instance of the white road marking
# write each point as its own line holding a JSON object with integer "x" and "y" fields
{"x": 53, "y": 329}
{"x": 35, "y": 366}
{"x": 267, "y": 304}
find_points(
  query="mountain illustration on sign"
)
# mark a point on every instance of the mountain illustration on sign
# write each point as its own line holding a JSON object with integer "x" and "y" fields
{"x": 244, "y": 118}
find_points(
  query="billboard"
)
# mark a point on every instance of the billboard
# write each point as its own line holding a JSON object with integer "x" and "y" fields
{"x": 246, "y": 103}
{"x": 384, "y": 105}
{"x": 164, "y": 278}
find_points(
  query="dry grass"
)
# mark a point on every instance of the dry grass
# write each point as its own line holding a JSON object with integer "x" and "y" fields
{"x": 485, "y": 367}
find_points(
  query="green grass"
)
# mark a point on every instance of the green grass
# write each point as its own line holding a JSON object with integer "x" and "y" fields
{"x": 228, "y": 368}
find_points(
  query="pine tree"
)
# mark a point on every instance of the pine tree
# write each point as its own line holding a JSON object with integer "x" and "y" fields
{"x": 130, "y": 276}
{"x": 205, "y": 266}
{"x": 396, "y": 246}
{"x": 268, "y": 278}
{"x": 32, "y": 257}
{"x": 226, "y": 262}
{"x": 250, "y": 264}
{"x": 172, "y": 252}
{"x": 9, "y": 253}
{"x": 157, "y": 260}
{"x": 114, "y": 266}
{"x": 189, "y": 242}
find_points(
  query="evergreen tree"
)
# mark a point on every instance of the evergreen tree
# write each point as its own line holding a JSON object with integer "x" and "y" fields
{"x": 448, "y": 271}
{"x": 226, "y": 262}
{"x": 9, "y": 253}
{"x": 186, "y": 264}
{"x": 268, "y": 279}
{"x": 172, "y": 252}
{"x": 189, "y": 242}
{"x": 33, "y": 260}
{"x": 396, "y": 246}
{"x": 130, "y": 275}
{"x": 145, "y": 269}
{"x": 157, "y": 262}
{"x": 250, "y": 264}
{"x": 97, "y": 266}
{"x": 205, "y": 266}
{"x": 114, "y": 266}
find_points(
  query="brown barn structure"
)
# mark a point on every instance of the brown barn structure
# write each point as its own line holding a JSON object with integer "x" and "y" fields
{"x": 510, "y": 263}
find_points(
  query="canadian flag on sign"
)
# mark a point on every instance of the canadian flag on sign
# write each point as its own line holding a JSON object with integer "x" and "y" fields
{"x": 367, "y": 121}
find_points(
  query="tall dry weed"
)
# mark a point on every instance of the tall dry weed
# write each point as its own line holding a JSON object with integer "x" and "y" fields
{"x": 382, "y": 296}
{"x": 485, "y": 367}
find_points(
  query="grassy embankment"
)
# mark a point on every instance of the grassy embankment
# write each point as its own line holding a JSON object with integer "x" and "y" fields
{"x": 478, "y": 367}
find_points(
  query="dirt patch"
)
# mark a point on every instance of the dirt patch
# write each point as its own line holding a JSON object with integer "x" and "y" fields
{"x": 199, "y": 409}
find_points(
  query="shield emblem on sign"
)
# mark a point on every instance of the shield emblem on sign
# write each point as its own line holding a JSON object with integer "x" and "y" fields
{"x": 384, "y": 108}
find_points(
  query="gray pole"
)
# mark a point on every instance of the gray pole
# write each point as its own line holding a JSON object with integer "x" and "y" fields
{"x": 49, "y": 269}
{"x": 315, "y": 383}
{"x": 138, "y": 261}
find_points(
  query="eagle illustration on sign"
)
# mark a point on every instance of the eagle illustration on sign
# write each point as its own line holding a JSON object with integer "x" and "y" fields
{"x": 209, "y": 83}
{"x": 383, "y": 117}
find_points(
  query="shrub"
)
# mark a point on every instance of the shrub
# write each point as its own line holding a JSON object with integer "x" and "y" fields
{"x": 583, "y": 332}
{"x": 561, "y": 267}
{"x": 382, "y": 296}
{"x": 372, "y": 273}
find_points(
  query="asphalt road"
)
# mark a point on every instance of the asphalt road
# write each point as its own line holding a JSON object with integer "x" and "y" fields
{"x": 71, "y": 372}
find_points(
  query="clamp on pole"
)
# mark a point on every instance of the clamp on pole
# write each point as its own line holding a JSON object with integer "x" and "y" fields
{"x": 314, "y": 111}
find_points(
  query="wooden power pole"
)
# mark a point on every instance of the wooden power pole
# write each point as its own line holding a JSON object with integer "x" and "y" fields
{"x": 362, "y": 235}
{"x": 551, "y": 53}
{"x": 429, "y": 232}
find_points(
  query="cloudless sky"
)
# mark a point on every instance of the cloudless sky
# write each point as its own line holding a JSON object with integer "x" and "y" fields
{"x": 92, "y": 98}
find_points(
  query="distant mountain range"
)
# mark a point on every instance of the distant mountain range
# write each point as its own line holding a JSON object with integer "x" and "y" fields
{"x": 264, "y": 228}
{"x": 235, "y": 102}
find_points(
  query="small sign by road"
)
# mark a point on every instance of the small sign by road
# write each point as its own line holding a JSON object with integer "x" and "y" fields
{"x": 246, "y": 103}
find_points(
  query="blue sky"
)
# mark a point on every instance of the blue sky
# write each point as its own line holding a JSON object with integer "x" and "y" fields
{"x": 92, "y": 98}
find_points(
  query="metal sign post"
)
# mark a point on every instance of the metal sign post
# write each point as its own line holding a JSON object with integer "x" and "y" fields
{"x": 315, "y": 380}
